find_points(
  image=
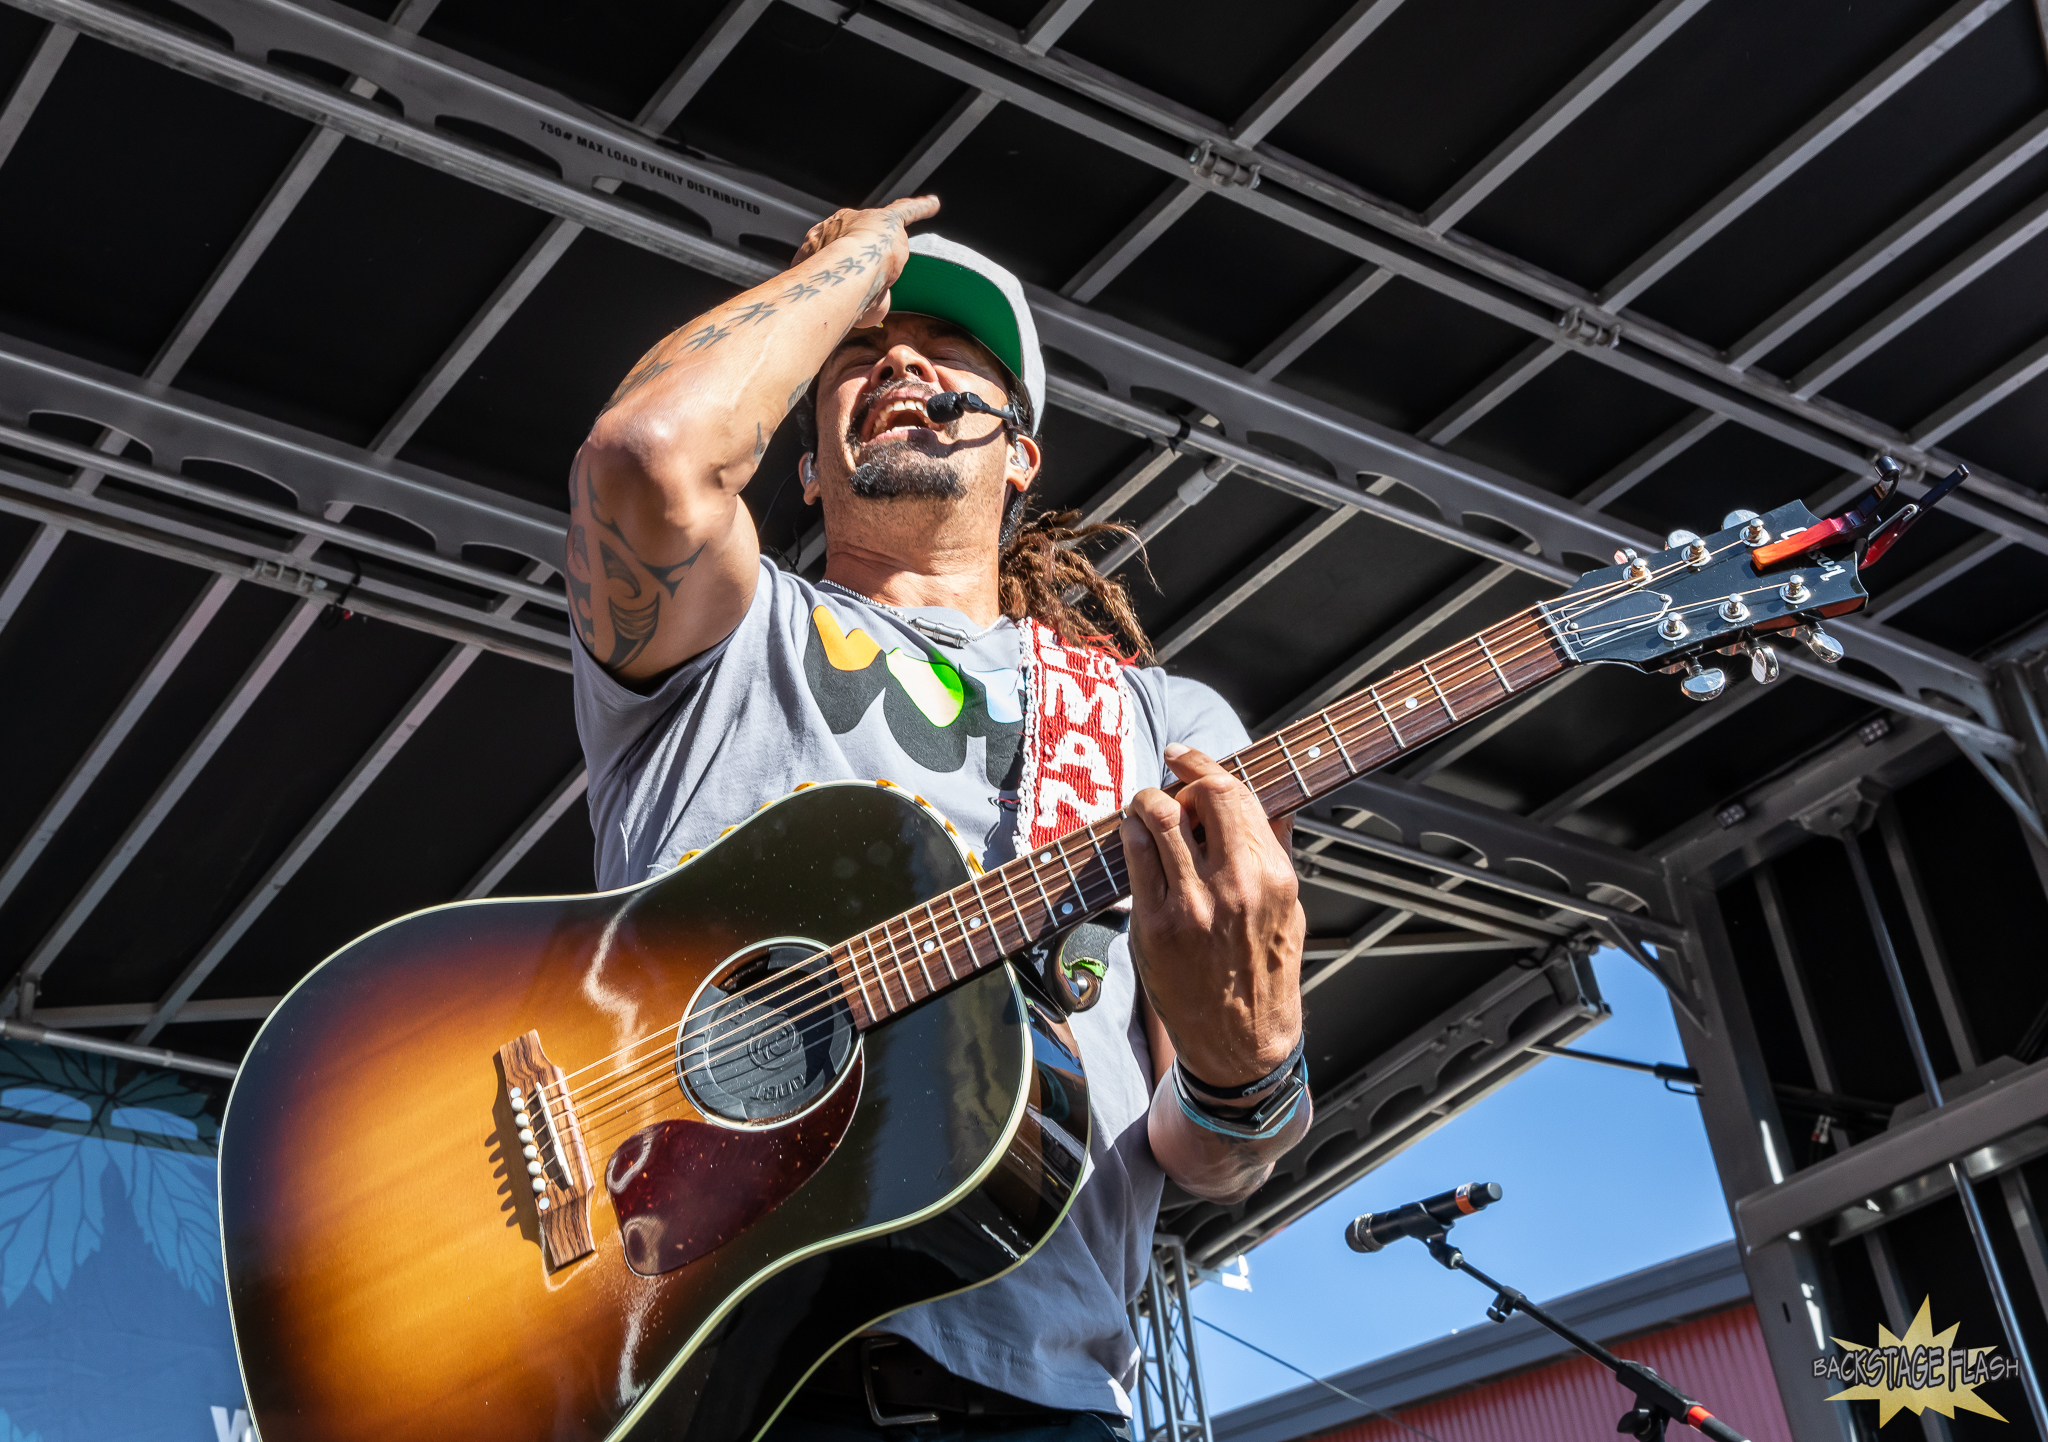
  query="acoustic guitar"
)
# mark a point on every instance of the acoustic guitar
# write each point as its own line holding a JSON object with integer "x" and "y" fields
{"x": 632, "y": 1164}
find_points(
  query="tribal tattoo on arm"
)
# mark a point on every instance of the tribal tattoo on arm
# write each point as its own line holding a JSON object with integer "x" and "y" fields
{"x": 633, "y": 620}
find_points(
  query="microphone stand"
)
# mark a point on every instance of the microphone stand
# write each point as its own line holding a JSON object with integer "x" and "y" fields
{"x": 1657, "y": 1401}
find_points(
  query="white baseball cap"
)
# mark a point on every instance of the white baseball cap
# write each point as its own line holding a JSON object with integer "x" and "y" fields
{"x": 945, "y": 279}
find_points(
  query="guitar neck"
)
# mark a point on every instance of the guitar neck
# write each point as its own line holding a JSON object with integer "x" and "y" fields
{"x": 953, "y": 936}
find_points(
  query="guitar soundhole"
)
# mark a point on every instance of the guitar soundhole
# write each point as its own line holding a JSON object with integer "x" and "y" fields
{"x": 767, "y": 1036}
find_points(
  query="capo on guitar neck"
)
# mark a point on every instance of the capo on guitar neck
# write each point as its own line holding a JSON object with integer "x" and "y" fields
{"x": 1856, "y": 524}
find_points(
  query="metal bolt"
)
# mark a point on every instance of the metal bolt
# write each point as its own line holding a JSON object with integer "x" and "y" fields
{"x": 1672, "y": 627}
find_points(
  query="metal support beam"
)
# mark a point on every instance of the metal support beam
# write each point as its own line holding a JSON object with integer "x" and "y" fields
{"x": 568, "y": 791}
{"x": 134, "y": 1013}
{"x": 1788, "y": 158}
{"x": 432, "y": 692}
{"x": 122, "y": 1051}
{"x": 1637, "y": 44}
{"x": 1051, "y": 22}
{"x": 1466, "y": 1052}
{"x": 930, "y": 152}
{"x": 1973, "y": 1213}
{"x": 1172, "y": 1405}
{"x": 1787, "y": 1278}
{"x": 1653, "y": 457}
{"x": 32, "y": 84}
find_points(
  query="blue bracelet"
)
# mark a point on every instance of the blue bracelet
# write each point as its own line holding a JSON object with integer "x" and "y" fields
{"x": 1261, "y": 1123}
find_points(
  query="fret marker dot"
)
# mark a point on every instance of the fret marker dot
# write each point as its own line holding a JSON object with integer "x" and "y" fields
{"x": 973, "y": 922}
{"x": 927, "y": 946}
{"x": 1043, "y": 857}
{"x": 1411, "y": 703}
{"x": 1065, "y": 907}
{"x": 1314, "y": 752}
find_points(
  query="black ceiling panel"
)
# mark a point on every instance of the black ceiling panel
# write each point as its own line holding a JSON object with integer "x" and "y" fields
{"x": 615, "y": 55}
{"x": 1437, "y": 86}
{"x": 1040, "y": 199}
{"x": 1730, "y": 469}
{"x": 1684, "y": 124}
{"x": 2012, "y": 436}
{"x": 379, "y": 268}
{"x": 1199, "y": 52}
{"x": 1977, "y": 331}
{"x": 1569, "y": 426}
{"x": 126, "y": 188}
{"x": 781, "y": 105}
{"x": 515, "y": 419}
{"x": 1984, "y": 89}
{"x": 1404, "y": 356}
{"x": 1225, "y": 280}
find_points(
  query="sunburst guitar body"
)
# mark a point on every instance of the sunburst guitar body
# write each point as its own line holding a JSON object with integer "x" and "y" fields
{"x": 620, "y": 1165}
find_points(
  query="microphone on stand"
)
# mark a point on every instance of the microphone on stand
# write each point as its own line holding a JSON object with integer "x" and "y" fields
{"x": 1425, "y": 1218}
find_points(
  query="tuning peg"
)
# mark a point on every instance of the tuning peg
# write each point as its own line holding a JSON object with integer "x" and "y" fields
{"x": 1763, "y": 663}
{"x": 1824, "y": 646}
{"x": 1737, "y": 517}
{"x": 1703, "y": 683}
{"x": 1679, "y": 538}
{"x": 1623, "y": 556}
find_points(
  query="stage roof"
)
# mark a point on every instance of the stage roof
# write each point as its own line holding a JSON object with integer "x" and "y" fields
{"x": 304, "y": 308}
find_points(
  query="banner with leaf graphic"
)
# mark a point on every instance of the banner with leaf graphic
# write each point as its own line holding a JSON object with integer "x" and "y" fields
{"x": 113, "y": 1321}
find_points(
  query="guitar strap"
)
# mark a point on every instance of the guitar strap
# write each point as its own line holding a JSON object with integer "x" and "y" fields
{"x": 1077, "y": 737}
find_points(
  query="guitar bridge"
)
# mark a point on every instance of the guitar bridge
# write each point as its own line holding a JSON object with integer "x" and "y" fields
{"x": 550, "y": 1142}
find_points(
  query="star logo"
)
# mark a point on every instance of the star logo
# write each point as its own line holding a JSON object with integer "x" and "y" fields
{"x": 1922, "y": 1371}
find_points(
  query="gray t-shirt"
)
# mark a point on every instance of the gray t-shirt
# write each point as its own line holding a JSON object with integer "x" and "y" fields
{"x": 819, "y": 684}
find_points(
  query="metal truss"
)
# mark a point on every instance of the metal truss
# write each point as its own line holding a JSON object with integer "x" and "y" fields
{"x": 1171, "y": 1403}
{"x": 435, "y": 83}
{"x": 1412, "y": 1088}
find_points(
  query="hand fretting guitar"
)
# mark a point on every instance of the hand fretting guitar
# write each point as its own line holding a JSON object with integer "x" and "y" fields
{"x": 631, "y": 1164}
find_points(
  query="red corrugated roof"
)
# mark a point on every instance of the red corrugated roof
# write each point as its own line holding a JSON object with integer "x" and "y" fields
{"x": 1719, "y": 1359}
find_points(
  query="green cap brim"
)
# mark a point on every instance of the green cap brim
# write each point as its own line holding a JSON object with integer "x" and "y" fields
{"x": 934, "y": 287}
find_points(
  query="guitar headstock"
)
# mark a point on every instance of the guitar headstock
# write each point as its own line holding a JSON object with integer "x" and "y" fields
{"x": 1664, "y": 611}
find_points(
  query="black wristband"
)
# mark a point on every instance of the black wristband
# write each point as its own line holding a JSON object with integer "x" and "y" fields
{"x": 1251, "y": 1088}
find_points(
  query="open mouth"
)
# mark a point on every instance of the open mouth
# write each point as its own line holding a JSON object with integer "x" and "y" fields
{"x": 896, "y": 417}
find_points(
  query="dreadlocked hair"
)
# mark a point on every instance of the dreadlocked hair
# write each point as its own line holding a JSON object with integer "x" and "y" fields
{"x": 1042, "y": 566}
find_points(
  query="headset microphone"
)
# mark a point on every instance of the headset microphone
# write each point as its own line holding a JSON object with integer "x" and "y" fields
{"x": 946, "y": 406}
{"x": 1426, "y": 1218}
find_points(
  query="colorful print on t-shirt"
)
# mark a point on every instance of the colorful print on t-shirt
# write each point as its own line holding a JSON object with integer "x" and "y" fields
{"x": 932, "y": 707}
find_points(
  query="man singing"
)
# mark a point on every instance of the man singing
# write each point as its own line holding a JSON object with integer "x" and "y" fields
{"x": 709, "y": 681}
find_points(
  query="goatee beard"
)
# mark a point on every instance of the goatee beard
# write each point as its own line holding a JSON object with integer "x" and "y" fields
{"x": 902, "y": 471}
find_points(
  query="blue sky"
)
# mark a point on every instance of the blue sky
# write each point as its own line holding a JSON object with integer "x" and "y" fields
{"x": 1604, "y": 1172}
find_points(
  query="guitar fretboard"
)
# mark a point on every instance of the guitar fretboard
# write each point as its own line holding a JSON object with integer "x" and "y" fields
{"x": 966, "y": 930}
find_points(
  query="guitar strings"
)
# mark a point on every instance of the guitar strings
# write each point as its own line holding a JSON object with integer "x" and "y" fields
{"x": 940, "y": 931}
{"x": 603, "y": 1113}
{"x": 831, "y": 984}
{"x": 1457, "y": 679}
{"x": 1608, "y": 587}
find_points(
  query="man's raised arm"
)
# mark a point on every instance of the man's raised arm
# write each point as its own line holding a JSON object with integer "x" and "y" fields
{"x": 662, "y": 555}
